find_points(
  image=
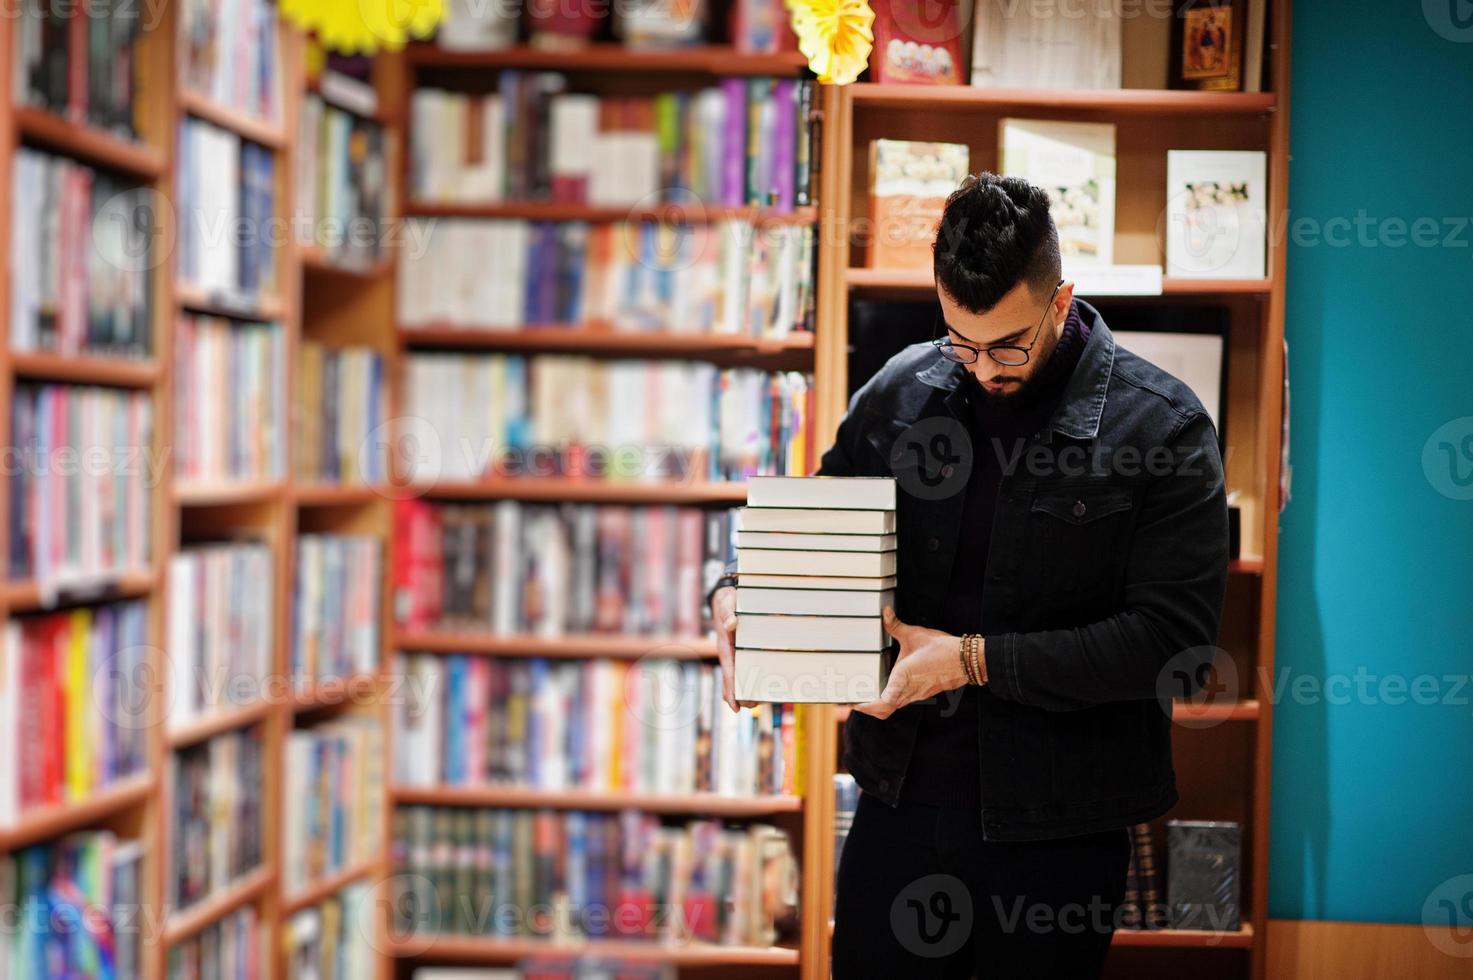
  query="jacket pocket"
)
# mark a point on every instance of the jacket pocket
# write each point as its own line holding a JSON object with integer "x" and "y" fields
{"x": 1078, "y": 539}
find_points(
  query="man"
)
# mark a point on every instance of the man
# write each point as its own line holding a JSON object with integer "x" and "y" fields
{"x": 1061, "y": 501}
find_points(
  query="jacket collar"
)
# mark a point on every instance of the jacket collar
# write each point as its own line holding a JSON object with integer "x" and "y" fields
{"x": 1083, "y": 401}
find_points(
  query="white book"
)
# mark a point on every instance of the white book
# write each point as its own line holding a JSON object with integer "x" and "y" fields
{"x": 813, "y": 602}
{"x": 807, "y": 677}
{"x": 1018, "y": 45}
{"x": 822, "y": 492}
{"x": 843, "y": 583}
{"x": 785, "y": 541}
{"x": 768, "y": 561}
{"x": 1117, "y": 280}
{"x": 763, "y": 632}
{"x": 815, "y": 521}
{"x": 1074, "y": 163}
{"x": 1216, "y": 207}
{"x": 471, "y": 25}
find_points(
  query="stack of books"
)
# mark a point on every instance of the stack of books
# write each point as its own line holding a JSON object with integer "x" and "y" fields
{"x": 816, "y": 567}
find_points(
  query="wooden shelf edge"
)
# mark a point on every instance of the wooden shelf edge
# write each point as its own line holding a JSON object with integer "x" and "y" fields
{"x": 588, "y": 490}
{"x": 560, "y": 337}
{"x": 207, "y": 494}
{"x": 257, "y": 309}
{"x": 31, "y": 596}
{"x": 92, "y": 146}
{"x": 327, "y": 887}
{"x": 521, "y": 797}
{"x": 44, "y": 823}
{"x": 84, "y": 369}
{"x": 183, "y": 923}
{"x": 574, "y": 645}
{"x": 315, "y": 260}
{"x": 471, "y": 949}
{"x": 240, "y": 123}
{"x": 217, "y": 722}
{"x": 671, "y": 212}
{"x": 705, "y": 59}
{"x": 335, "y": 495}
{"x": 869, "y": 95}
{"x": 1186, "y": 938}
{"x": 334, "y": 692}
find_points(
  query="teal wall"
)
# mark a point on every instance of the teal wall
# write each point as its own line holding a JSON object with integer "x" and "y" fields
{"x": 1373, "y": 799}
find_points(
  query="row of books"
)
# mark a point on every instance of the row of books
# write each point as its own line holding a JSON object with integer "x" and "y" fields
{"x": 216, "y": 823}
{"x": 220, "y": 627}
{"x": 79, "y": 486}
{"x": 574, "y": 874}
{"x": 732, "y": 276}
{"x": 343, "y": 189}
{"x": 335, "y": 607}
{"x": 81, "y": 248}
{"x": 328, "y": 941}
{"x": 228, "y": 51}
{"x": 742, "y": 141}
{"x": 650, "y": 726}
{"x": 225, "y": 200}
{"x": 551, "y": 569}
{"x": 73, "y": 908}
{"x": 74, "y": 689}
{"x": 757, "y": 26}
{"x": 229, "y": 382}
{"x": 340, "y": 409}
{"x": 555, "y": 415}
{"x": 234, "y": 948}
{"x": 333, "y": 778}
{"x": 89, "y": 76}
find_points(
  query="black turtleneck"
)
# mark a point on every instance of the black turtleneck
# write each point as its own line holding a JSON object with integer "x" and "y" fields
{"x": 945, "y": 767}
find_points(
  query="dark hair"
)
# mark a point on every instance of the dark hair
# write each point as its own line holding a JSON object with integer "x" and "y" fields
{"x": 994, "y": 233}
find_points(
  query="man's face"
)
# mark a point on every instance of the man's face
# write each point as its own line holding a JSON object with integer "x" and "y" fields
{"x": 1016, "y": 319}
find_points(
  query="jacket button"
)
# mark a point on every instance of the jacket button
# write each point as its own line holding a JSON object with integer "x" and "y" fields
{"x": 884, "y": 786}
{"x": 932, "y": 544}
{"x": 1078, "y": 508}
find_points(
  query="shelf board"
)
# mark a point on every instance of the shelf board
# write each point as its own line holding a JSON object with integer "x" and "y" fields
{"x": 330, "y": 693}
{"x": 183, "y": 923}
{"x": 573, "y": 646}
{"x": 704, "y": 59}
{"x": 216, "y": 722}
{"x": 327, "y": 887}
{"x": 568, "y": 337}
{"x": 1247, "y": 565}
{"x": 1186, "y": 938}
{"x": 670, "y": 213}
{"x": 263, "y": 309}
{"x": 47, "y": 822}
{"x": 334, "y": 495}
{"x": 924, "y": 281}
{"x": 590, "y": 490}
{"x": 84, "y": 369}
{"x": 88, "y": 144}
{"x": 195, "y": 493}
{"x": 522, "y": 797}
{"x": 315, "y": 260}
{"x": 1247, "y": 710}
{"x": 31, "y": 596}
{"x": 242, "y": 124}
{"x": 941, "y": 99}
{"x": 485, "y": 949}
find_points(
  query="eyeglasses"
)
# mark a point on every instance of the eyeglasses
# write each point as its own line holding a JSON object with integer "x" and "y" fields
{"x": 1010, "y": 355}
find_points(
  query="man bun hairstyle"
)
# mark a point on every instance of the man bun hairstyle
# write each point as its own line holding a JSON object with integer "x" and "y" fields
{"x": 994, "y": 233}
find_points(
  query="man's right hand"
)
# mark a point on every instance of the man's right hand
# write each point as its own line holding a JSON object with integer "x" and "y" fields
{"x": 723, "y": 614}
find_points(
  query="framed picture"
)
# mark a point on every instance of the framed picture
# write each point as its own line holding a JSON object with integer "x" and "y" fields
{"x": 1207, "y": 44}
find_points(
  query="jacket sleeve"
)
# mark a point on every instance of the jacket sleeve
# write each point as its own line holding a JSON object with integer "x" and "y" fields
{"x": 1176, "y": 579}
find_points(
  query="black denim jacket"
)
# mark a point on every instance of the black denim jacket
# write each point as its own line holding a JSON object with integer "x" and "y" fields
{"x": 1105, "y": 581}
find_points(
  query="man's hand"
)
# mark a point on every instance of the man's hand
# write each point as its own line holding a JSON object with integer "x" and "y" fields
{"x": 723, "y": 614}
{"x": 929, "y": 662}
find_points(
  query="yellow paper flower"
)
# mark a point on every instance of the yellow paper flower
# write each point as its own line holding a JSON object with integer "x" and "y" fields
{"x": 364, "y": 26}
{"x": 835, "y": 36}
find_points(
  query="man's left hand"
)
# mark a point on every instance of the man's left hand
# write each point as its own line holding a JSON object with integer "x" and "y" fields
{"x": 929, "y": 662}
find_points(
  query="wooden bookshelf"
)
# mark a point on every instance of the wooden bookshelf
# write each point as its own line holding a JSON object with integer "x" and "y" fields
{"x": 591, "y": 491}
{"x": 327, "y": 887}
{"x": 47, "y": 822}
{"x": 710, "y": 59}
{"x": 259, "y": 308}
{"x": 1149, "y": 102}
{"x": 674, "y": 212}
{"x": 568, "y": 646}
{"x": 92, "y": 146}
{"x": 267, "y": 133}
{"x": 476, "y": 949}
{"x": 521, "y": 797}
{"x": 32, "y": 596}
{"x": 219, "y": 721}
{"x": 1186, "y": 938}
{"x": 86, "y": 370}
{"x": 187, "y": 921}
{"x": 584, "y": 339}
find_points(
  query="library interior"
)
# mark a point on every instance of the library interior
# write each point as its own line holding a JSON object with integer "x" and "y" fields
{"x": 566, "y": 490}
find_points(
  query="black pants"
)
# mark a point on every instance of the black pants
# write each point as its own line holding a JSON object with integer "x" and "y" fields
{"x": 921, "y": 894}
